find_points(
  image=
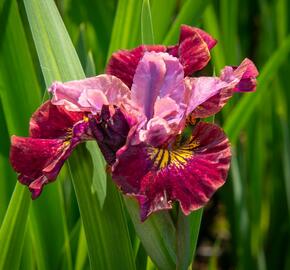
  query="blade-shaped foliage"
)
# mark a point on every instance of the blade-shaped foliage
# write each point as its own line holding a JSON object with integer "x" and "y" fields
{"x": 59, "y": 62}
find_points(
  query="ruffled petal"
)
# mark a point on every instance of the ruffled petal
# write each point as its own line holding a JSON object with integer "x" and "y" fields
{"x": 90, "y": 94}
{"x": 207, "y": 95}
{"x": 158, "y": 92}
{"x": 189, "y": 174}
{"x": 50, "y": 121}
{"x": 241, "y": 78}
{"x": 123, "y": 63}
{"x": 30, "y": 157}
{"x": 158, "y": 75}
{"x": 55, "y": 133}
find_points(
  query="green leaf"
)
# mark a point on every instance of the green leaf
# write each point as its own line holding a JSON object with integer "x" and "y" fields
{"x": 102, "y": 226}
{"x": 162, "y": 12}
{"x": 157, "y": 235}
{"x": 243, "y": 111}
{"x": 13, "y": 229}
{"x": 190, "y": 13}
{"x": 187, "y": 233}
{"x": 146, "y": 24}
{"x": 126, "y": 29}
{"x": 99, "y": 183}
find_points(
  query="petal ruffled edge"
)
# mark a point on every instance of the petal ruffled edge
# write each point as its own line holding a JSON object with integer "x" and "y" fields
{"x": 190, "y": 174}
{"x": 31, "y": 156}
{"x": 90, "y": 94}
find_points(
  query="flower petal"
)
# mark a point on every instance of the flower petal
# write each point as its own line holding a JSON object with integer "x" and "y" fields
{"x": 38, "y": 159}
{"x": 111, "y": 129}
{"x": 243, "y": 77}
{"x": 209, "y": 94}
{"x": 30, "y": 156}
{"x": 189, "y": 174}
{"x": 50, "y": 121}
{"x": 90, "y": 94}
{"x": 193, "y": 54}
{"x": 158, "y": 75}
{"x": 187, "y": 31}
{"x": 123, "y": 63}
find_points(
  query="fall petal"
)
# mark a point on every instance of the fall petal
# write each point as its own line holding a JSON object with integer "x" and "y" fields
{"x": 30, "y": 156}
{"x": 50, "y": 121}
{"x": 189, "y": 174}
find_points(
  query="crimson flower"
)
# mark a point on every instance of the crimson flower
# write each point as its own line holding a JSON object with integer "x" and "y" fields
{"x": 139, "y": 114}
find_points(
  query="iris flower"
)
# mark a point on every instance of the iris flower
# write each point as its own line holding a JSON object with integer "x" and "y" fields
{"x": 145, "y": 115}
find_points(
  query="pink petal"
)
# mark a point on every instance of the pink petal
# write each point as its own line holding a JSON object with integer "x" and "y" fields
{"x": 189, "y": 174}
{"x": 158, "y": 75}
{"x": 123, "y": 64}
{"x": 202, "y": 89}
{"x": 209, "y": 94}
{"x": 243, "y": 78}
{"x": 90, "y": 94}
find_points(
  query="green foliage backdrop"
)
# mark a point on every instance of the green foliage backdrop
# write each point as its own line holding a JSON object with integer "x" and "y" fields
{"x": 82, "y": 221}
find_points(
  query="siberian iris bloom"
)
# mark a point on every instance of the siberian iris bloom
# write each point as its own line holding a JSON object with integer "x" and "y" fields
{"x": 138, "y": 114}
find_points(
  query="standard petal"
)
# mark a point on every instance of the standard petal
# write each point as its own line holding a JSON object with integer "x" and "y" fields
{"x": 51, "y": 121}
{"x": 90, "y": 94}
{"x": 189, "y": 174}
{"x": 123, "y": 64}
{"x": 158, "y": 75}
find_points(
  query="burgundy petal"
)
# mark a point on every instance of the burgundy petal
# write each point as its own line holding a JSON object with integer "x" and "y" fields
{"x": 187, "y": 31}
{"x": 30, "y": 156}
{"x": 123, "y": 63}
{"x": 193, "y": 54}
{"x": 51, "y": 121}
{"x": 55, "y": 132}
{"x": 189, "y": 174}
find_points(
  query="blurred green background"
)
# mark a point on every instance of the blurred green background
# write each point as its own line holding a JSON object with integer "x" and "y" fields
{"x": 247, "y": 224}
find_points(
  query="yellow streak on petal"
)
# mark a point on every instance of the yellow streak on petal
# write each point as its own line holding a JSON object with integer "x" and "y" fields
{"x": 177, "y": 157}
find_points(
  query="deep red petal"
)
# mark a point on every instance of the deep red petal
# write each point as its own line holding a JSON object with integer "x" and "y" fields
{"x": 29, "y": 156}
{"x": 123, "y": 64}
{"x": 189, "y": 174}
{"x": 51, "y": 121}
{"x": 193, "y": 54}
{"x": 188, "y": 31}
